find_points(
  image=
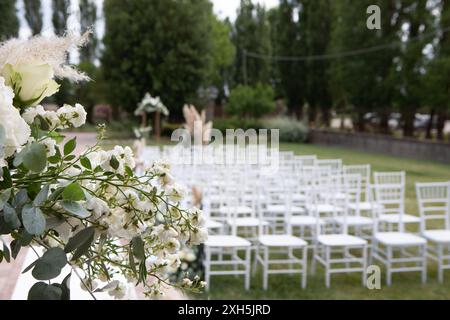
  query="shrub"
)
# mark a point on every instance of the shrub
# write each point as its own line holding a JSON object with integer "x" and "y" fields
{"x": 246, "y": 101}
{"x": 291, "y": 130}
{"x": 235, "y": 123}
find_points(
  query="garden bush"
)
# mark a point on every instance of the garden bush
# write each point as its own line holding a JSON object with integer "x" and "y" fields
{"x": 291, "y": 130}
{"x": 251, "y": 102}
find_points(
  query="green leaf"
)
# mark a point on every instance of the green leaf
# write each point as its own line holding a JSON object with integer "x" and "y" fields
{"x": 70, "y": 146}
{"x": 73, "y": 192}
{"x": 132, "y": 262}
{"x": 30, "y": 266}
{"x": 65, "y": 287}
{"x": 49, "y": 266}
{"x": 43, "y": 291}
{"x": 35, "y": 157}
{"x": 80, "y": 238}
{"x": 20, "y": 199}
{"x": 4, "y": 226}
{"x": 33, "y": 220}
{"x": 41, "y": 196}
{"x": 15, "y": 248}
{"x": 114, "y": 163}
{"x": 138, "y": 247}
{"x": 11, "y": 217}
{"x": 55, "y": 194}
{"x": 75, "y": 208}
{"x": 6, "y": 253}
{"x": 4, "y": 197}
{"x": 85, "y": 162}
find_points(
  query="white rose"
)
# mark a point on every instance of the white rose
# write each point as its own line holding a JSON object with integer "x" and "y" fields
{"x": 50, "y": 147}
{"x": 32, "y": 81}
{"x": 76, "y": 116}
{"x": 16, "y": 130}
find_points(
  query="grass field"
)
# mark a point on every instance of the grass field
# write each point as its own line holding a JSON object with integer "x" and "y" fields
{"x": 405, "y": 286}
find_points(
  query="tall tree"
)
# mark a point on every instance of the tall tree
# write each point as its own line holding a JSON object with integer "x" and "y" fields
{"x": 60, "y": 15}
{"x": 416, "y": 16}
{"x": 289, "y": 40}
{"x": 317, "y": 26}
{"x": 88, "y": 18}
{"x": 33, "y": 15}
{"x": 163, "y": 47}
{"x": 9, "y": 23}
{"x": 251, "y": 34}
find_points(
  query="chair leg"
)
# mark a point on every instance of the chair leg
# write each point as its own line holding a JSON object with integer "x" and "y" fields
{"x": 265, "y": 267}
{"x": 388, "y": 266}
{"x": 313, "y": 262}
{"x": 327, "y": 267}
{"x": 364, "y": 274}
{"x": 247, "y": 268}
{"x": 305, "y": 267}
{"x": 440, "y": 254}
{"x": 255, "y": 261}
{"x": 207, "y": 264}
{"x": 424, "y": 263}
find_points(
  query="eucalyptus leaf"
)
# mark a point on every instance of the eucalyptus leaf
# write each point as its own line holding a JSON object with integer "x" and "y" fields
{"x": 15, "y": 248}
{"x": 33, "y": 220}
{"x": 49, "y": 266}
{"x": 6, "y": 252}
{"x": 41, "y": 196}
{"x": 73, "y": 192}
{"x": 35, "y": 157}
{"x": 43, "y": 291}
{"x": 80, "y": 238}
{"x": 11, "y": 217}
{"x": 138, "y": 247}
{"x": 75, "y": 208}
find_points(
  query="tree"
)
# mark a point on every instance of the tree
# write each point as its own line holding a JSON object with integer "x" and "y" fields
{"x": 289, "y": 40}
{"x": 88, "y": 18}
{"x": 60, "y": 16}
{"x": 9, "y": 25}
{"x": 33, "y": 15}
{"x": 161, "y": 47}
{"x": 247, "y": 101}
{"x": 410, "y": 94}
{"x": 317, "y": 25}
{"x": 251, "y": 34}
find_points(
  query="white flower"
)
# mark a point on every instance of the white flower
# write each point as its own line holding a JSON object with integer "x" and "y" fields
{"x": 173, "y": 245}
{"x": 165, "y": 232}
{"x": 50, "y": 116}
{"x": 187, "y": 282}
{"x": 32, "y": 81}
{"x": 119, "y": 291}
{"x": 50, "y": 146}
{"x": 15, "y": 128}
{"x": 199, "y": 235}
{"x": 176, "y": 192}
{"x": 98, "y": 206}
{"x": 75, "y": 116}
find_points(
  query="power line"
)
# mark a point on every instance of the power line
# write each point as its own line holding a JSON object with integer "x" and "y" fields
{"x": 340, "y": 54}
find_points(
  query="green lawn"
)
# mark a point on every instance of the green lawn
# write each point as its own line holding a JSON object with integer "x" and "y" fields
{"x": 405, "y": 286}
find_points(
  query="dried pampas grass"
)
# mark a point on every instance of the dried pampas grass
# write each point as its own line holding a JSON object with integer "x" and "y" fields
{"x": 52, "y": 50}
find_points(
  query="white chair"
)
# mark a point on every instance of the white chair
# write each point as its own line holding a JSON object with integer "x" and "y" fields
{"x": 334, "y": 164}
{"x": 218, "y": 247}
{"x": 281, "y": 242}
{"x": 398, "y": 251}
{"x": 339, "y": 252}
{"x": 434, "y": 207}
{"x": 389, "y": 217}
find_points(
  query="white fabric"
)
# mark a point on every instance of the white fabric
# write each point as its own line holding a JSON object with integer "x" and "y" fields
{"x": 339, "y": 240}
{"x": 276, "y": 240}
{"x": 399, "y": 239}
{"x": 226, "y": 241}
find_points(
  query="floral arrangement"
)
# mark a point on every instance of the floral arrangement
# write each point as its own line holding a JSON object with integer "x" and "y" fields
{"x": 89, "y": 210}
{"x": 196, "y": 124}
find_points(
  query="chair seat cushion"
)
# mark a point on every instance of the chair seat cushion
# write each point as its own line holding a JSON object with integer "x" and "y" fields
{"x": 226, "y": 241}
{"x": 212, "y": 224}
{"x": 440, "y": 236}
{"x": 297, "y": 221}
{"x": 364, "y": 206}
{"x": 340, "y": 240}
{"x": 281, "y": 208}
{"x": 354, "y": 221}
{"x": 277, "y": 240}
{"x": 399, "y": 239}
{"x": 246, "y": 222}
{"x": 237, "y": 210}
{"x": 324, "y": 208}
{"x": 395, "y": 218}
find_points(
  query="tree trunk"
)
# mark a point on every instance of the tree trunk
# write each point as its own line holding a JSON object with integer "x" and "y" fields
{"x": 360, "y": 123}
{"x": 312, "y": 115}
{"x": 430, "y": 125}
{"x": 442, "y": 117}
{"x": 326, "y": 117}
{"x": 384, "y": 122}
{"x": 408, "y": 123}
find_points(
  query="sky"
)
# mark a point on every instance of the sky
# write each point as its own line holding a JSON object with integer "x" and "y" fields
{"x": 223, "y": 8}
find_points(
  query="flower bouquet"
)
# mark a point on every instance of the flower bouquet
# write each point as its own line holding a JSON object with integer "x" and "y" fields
{"x": 89, "y": 210}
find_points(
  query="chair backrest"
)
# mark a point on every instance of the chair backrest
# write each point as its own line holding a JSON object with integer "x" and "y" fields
{"x": 434, "y": 204}
{"x": 389, "y": 178}
{"x": 364, "y": 171}
{"x": 334, "y": 164}
{"x": 302, "y": 161}
{"x": 390, "y": 199}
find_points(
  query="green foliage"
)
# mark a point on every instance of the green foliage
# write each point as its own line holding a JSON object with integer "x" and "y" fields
{"x": 33, "y": 15}
{"x": 49, "y": 266}
{"x": 60, "y": 15}
{"x": 291, "y": 130}
{"x": 9, "y": 23}
{"x": 251, "y": 33}
{"x": 88, "y": 18}
{"x": 251, "y": 101}
{"x": 145, "y": 51}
